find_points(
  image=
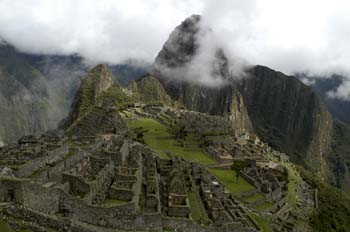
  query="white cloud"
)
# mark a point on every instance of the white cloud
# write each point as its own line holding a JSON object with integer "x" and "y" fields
{"x": 104, "y": 30}
{"x": 342, "y": 92}
{"x": 288, "y": 35}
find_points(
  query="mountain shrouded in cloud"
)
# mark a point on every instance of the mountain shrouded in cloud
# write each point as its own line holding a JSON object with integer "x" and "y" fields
{"x": 291, "y": 36}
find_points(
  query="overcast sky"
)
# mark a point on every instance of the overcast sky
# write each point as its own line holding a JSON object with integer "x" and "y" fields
{"x": 290, "y": 35}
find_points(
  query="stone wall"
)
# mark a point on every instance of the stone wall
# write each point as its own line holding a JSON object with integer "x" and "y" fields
{"x": 101, "y": 183}
{"x": 185, "y": 225}
{"x": 77, "y": 184}
{"x": 30, "y": 167}
{"x": 11, "y": 190}
{"x": 51, "y": 200}
{"x": 41, "y": 199}
{"x": 54, "y": 174}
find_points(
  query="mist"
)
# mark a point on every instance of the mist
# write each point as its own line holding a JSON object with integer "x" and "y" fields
{"x": 290, "y": 36}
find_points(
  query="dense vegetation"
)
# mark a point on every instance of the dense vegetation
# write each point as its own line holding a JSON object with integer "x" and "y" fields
{"x": 339, "y": 155}
{"x": 333, "y": 206}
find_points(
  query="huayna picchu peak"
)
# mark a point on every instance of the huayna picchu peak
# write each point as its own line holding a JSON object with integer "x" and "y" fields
{"x": 197, "y": 140}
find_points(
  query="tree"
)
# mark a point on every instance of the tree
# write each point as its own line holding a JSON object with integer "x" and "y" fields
{"x": 238, "y": 166}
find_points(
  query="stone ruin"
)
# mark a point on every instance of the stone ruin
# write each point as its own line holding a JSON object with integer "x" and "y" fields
{"x": 265, "y": 180}
{"x": 108, "y": 183}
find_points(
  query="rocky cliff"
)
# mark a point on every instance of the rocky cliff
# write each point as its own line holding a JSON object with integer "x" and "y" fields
{"x": 280, "y": 109}
{"x": 171, "y": 67}
{"x": 289, "y": 116}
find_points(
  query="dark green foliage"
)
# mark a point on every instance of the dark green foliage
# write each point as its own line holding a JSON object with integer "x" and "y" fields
{"x": 333, "y": 212}
{"x": 339, "y": 155}
{"x": 238, "y": 166}
{"x": 114, "y": 96}
{"x": 150, "y": 91}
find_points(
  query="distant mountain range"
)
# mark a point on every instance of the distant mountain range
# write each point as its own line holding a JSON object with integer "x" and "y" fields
{"x": 37, "y": 91}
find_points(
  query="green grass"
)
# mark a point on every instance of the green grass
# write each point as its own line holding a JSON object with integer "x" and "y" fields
{"x": 254, "y": 198}
{"x": 162, "y": 141}
{"x": 262, "y": 222}
{"x": 198, "y": 212}
{"x": 4, "y": 227}
{"x": 228, "y": 178}
{"x": 265, "y": 206}
{"x": 113, "y": 202}
{"x": 294, "y": 180}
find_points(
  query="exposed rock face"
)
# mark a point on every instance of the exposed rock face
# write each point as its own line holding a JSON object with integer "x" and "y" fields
{"x": 325, "y": 86}
{"x": 281, "y": 109}
{"x": 288, "y": 115}
{"x": 180, "y": 47}
{"x": 171, "y": 67}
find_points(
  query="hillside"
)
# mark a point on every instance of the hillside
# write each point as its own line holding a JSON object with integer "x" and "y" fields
{"x": 23, "y": 93}
{"x": 39, "y": 89}
{"x": 182, "y": 148}
{"x": 323, "y": 86}
{"x": 170, "y": 67}
{"x": 149, "y": 90}
{"x": 289, "y": 115}
{"x": 282, "y": 110}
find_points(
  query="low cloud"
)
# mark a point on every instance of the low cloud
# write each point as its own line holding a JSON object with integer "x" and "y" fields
{"x": 342, "y": 92}
{"x": 290, "y": 36}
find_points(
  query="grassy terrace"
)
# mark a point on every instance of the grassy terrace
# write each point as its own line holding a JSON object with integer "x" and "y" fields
{"x": 112, "y": 202}
{"x": 4, "y": 227}
{"x": 294, "y": 180}
{"x": 162, "y": 141}
{"x": 198, "y": 211}
{"x": 228, "y": 178}
{"x": 262, "y": 222}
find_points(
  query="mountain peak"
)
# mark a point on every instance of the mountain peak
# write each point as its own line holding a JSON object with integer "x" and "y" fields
{"x": 100, "y": 75}
{"x": 181, "y": 45}
{"x": 98, "y": 80}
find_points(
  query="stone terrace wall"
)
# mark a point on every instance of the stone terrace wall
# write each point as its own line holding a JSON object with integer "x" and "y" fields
{"x": 13, "y": 186}
{"x": 40, "y": 198}
{"x": 184, "y": 225}
{"x": 123, "y": 217}
{"x": 30, "y": 167}
{"x": 102, "y": 182}
{"x": 54, "y": 174}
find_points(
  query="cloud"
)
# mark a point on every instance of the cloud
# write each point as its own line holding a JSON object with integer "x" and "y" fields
{"x": 104, "y": 31}
{"x": 342, "y": 92}
{"x": 291, "y": 35}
